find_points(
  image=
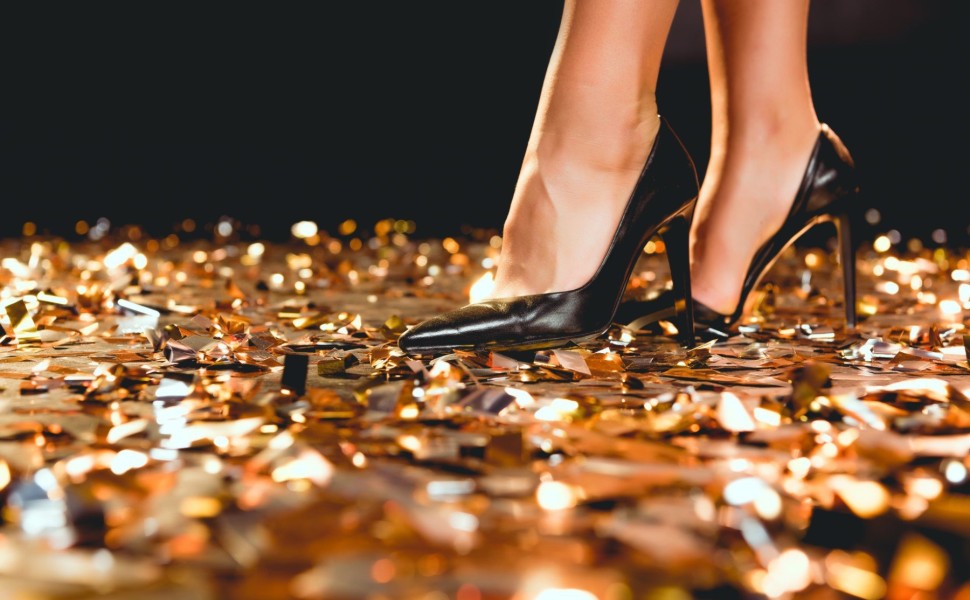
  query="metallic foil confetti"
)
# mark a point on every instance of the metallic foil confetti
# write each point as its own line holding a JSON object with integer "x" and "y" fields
{"x": 22, "y": 324}
{"x": 235, "y": 419}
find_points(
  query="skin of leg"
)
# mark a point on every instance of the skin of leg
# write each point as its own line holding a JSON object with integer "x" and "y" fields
{"x": 594, "y": 126}
{"x": 764, "y": 127}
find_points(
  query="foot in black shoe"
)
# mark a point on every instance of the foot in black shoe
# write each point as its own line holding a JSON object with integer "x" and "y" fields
{"x": 828, "y": 193}
{"x": 661, "y": 202}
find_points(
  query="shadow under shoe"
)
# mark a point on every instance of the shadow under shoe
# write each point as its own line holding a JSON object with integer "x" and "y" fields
{"x": 828, "y": 193}
{"x": 661, "y": 202}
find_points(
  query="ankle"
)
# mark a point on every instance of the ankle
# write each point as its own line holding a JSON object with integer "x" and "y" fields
{"x": 780, "y": 129}
{"x": 612, "y": 147}
{"x": 747, "y": 194}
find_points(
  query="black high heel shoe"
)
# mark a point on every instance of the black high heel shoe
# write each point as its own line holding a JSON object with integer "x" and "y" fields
{"x": 827, "y": 193}
{"x": 662, "y": 202}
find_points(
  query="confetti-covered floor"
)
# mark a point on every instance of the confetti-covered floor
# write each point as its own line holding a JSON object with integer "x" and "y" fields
{"x": 229, "y": 419}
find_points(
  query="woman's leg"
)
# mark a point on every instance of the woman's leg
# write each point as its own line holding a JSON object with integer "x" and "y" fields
{"x": 764, "y": 129}
{"x": 595, "y": 124}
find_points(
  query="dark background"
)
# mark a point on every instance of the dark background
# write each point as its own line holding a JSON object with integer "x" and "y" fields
{"x": 409, "y": 110}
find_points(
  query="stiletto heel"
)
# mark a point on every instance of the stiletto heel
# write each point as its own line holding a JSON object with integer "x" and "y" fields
{"x": 676, "y": 238}
{"x": 661, "y": 200}
{"x": 828, "y": 192}
{"x": 843, "y": 226}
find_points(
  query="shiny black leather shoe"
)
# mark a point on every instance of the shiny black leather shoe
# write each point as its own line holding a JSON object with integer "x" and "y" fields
{"x": 828, "y": 193}
{"x": 662, "y": 202}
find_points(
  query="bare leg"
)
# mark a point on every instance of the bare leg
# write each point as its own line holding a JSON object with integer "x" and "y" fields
{"x": 595, "y": 124}
{"x": 764, "y": 128}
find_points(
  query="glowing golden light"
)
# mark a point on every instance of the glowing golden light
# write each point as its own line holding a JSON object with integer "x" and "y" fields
{"x": 410, "y": 442}
{"x": 4, "y": 474}
{"x": 768, "y": 417}
{"x": 964, "y": 294}
{"x": 298, "y": 260}
{"x": 256, "y": 249}
{"x": 865, "y": 498}
{"x": 668, "y": 328}
{"x": 555, "y": 495}
{"x": 852, "y": 579}
{"x": 847, "y": 437}
{"x": 52, "y": 299}
{"x": 79, "y": 466}
{"x": 304, "y": 229}
{"x": 732, "y": 415}
{"x": 308, "y": 465}
{"x": 790, "y": 571}
{"x": 348, "y": 227}
{"x": 450, "y": 245}
{"x": 523, "y": 399}
{"x": 950, "y": 307}
{"x": 119, "y": 256}
{"x": 954, "y": 471}
{"x": 768, "y": 504}
{"x": 889, "y": 287}
{"x": 482, "y": 289}
{"x": 882, "y": 244}
{"x": 926, "y": 487}
{"x": 200, "y": 507}
{"x": 560, "y": 409}
{"x": 829, "y": 450}
{"x": 919, "y": 564}
{"x": 126, "y": 460}
{"x": 744, "y": 490}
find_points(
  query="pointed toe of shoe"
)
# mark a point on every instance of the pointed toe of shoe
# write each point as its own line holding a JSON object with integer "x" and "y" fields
{"x": 433, "y": 335}
{"x": 483, "y": 326}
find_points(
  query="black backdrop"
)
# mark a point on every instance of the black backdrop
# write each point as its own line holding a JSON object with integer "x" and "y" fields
{"x": 409, "y": 110}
